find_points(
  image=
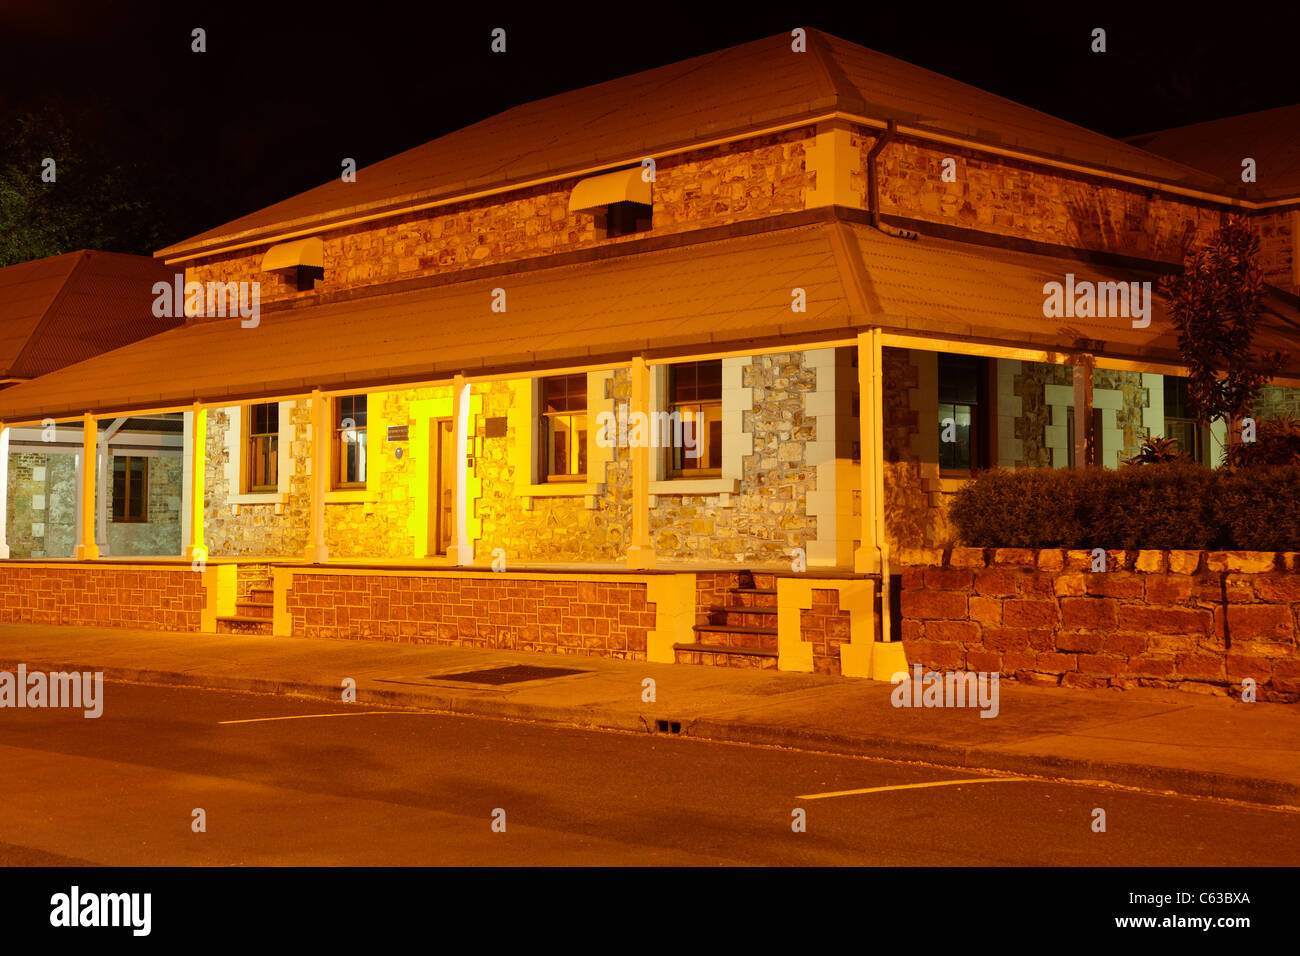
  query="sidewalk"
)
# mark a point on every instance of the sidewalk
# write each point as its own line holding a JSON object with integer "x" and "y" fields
{"x": 1159, "y": 740}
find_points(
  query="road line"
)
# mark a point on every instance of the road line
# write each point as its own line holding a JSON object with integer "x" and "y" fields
{"x": 350, "y": 713}
{"x": 909, "y": 786}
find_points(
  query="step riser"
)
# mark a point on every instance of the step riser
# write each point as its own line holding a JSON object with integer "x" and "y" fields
{"x": 261, "y": 595}
{"x": 252, "y": 610}
{"x": 739, "y": 619}
{"x": 243, "y": 627}
{"x": 725, "y": 660}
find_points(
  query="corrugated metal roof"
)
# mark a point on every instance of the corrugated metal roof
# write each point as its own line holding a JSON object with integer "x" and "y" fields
{"x": 728, "y": 291}
{"x": 735, "y": 90}
{"x": 63, "y": 309}
{"x": 1270, "y": 137}
{"x": 944, "y": 287}
{"x": 719, "y": 295}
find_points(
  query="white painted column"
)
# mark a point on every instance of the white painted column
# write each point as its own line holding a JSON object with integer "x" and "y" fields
{"x": 1082, "y": 370}
{"x": 87, "y": 549}
{"x": 461, "y": 553}
{"x": 320, "y": 468}
{"x": 4, "y": 491}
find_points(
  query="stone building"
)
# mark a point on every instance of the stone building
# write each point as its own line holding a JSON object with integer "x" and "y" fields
{"x": 667, "y": 367}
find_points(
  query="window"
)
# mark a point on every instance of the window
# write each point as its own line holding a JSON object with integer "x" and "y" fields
{"x": 963, "y": 413}
{"x": 695, "y": 398}
{"x": 1180, "y": 419}
{"x": 350, "y": 441}
{"x": 564, "y": 428}
{"x": 624, "y": 218}
{"x": 304, "y": 278}
{"x": 263, "y": 447}
{"x": 130, "y": 489}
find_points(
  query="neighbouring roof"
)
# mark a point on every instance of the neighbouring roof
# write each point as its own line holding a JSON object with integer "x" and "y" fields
{"x": 63, "y": 309}
{"x": 718, "y": 295}
{"x": 1270, "y": 137}
{"x": 730, "y": 92}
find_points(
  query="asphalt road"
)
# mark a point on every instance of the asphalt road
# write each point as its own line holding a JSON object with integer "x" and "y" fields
{"x": 401, "y": 788}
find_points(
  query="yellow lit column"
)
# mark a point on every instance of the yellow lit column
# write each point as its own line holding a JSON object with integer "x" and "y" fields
{"x": 641, "y": 552}
{"x": 4, "y": 490}
{"x": 870, "y": 556}
{"x": 320, "y": 469}
{"x": 461, "y": 553}
{"x": 198, "y": 549}
{"x": 87, "y": 550}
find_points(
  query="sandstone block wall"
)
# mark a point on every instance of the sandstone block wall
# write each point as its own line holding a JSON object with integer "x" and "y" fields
{"x": 606, "y": 618}
{"x": 1195, "y": 621}
{"x": 158, "y": 599}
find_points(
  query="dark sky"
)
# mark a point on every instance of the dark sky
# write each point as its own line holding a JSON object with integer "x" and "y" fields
{"x": 285, "y": 89}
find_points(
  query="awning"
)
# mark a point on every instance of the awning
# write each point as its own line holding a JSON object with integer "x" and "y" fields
{"x": 302, "y": 252}
{"x": 625, "y": 185}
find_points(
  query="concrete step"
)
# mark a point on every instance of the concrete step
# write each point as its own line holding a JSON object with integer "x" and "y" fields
{"x": 258, "y": 609}
{"x": 243, "y": 624}
{"x": 719, "y": 655}
{"x": 742, "y": 609}
{"x": 261, "y": 594}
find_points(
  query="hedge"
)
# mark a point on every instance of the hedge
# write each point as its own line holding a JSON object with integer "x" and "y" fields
{"x": 1150, "y": 507}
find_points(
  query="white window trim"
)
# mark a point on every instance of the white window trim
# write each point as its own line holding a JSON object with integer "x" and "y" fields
{"x": 736, "y": 442}
{"x": 526, "y": 429}
{"x": 235, "y": 460}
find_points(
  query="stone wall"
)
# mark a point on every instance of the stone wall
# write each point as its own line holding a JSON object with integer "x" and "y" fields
{"x": 699, "y": 189}
{"x": 41, "y": 505}
{"x": 826, "y": 627}
{"x": 256, "y": 529}
{"x": 1195, "y": 621}
{"x": 161, "y": 533}
{"x": 156, "y": 599}
{"x": 767, "y": 515}
{"x": 605, "y": 618}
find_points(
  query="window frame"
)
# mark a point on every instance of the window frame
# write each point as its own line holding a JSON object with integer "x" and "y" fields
{"x": 705, "y": 411}
{"x": 124, "y": 500}
{"x": 250, "y": 456}
{"x": 337, "y": 440}
{"x": 575, "y": 388}
{"x": 1198, "y": 453}
{"x": 981, "y": 419}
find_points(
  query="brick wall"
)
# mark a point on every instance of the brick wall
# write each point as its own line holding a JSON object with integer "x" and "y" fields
{"x": 156, "y": 599}
{"x": 826, "y": 627}
{"x": 600, "y": 618}
{"x": 1196, "y": 621}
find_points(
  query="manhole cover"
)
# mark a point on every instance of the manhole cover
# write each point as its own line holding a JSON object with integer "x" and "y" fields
{"x": 513, "y": 674}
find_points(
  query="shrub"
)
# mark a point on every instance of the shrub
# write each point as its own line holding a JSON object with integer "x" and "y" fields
{"x": 1174, "y": 505}
{"x": 1257, "y": 506}
{"x": 1277, "y": 442}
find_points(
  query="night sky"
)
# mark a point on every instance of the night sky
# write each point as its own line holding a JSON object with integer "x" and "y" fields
{"x": 286, "y": 90}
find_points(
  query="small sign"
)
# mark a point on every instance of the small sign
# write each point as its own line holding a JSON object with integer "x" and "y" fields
{"x": 495, "y": 427}
{"x": 398, "y": 433}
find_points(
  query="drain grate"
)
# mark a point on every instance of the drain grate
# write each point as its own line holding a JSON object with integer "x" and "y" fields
{"x": 514, "y": 674}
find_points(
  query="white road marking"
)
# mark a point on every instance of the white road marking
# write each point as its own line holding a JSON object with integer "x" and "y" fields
{"x": 350, "y": 713}
{"x": 910, "y": 786}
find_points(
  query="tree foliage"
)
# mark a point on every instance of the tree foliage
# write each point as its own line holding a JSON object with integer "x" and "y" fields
{"x": 95, "y": 202}
{"x": 1215, "y": 304}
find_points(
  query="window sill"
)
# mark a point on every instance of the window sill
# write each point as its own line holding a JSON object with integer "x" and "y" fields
{"x": 561, "y": 489}
{"x": 258, "y": 498}
{"x": 695, "y": 486}
{"x": 350, "y": 496}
